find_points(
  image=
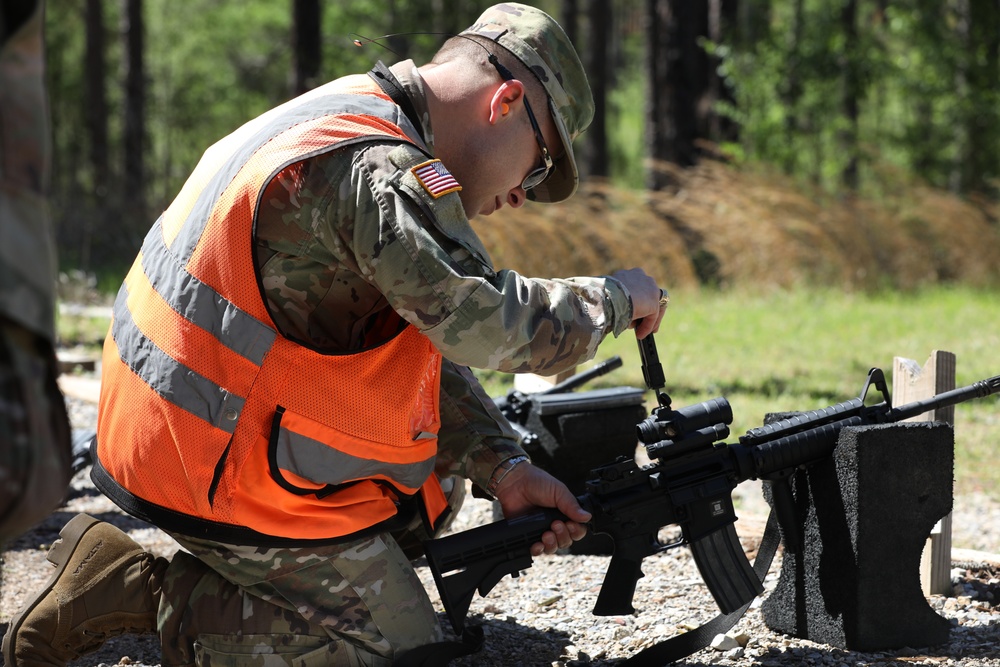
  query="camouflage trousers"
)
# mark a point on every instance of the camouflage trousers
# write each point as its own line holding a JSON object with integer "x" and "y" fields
{"x": 34, "y": 431}
{"x": 351, "y": 604}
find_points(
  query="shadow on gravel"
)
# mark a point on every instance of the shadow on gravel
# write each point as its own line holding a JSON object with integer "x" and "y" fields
{"x": 966, "y": 643}
{"x": 140, "y": 651}
{"x": 81, "y": 491}
{"x": 510, "y": 643}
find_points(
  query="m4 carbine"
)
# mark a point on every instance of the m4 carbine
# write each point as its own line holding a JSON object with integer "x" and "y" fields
{"x": 689, "y": 482}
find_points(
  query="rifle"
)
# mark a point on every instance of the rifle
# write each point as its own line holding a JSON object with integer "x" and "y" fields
{"x": 688, "y": 482}
{"x": 516, "y": 406}
{"x": 568, "y": 432}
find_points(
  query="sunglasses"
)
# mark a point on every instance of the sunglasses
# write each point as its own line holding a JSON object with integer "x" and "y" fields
{"x": 537, "y": 175}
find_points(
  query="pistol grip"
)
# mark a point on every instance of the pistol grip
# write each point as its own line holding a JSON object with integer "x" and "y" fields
{"x": 615, "y": 598}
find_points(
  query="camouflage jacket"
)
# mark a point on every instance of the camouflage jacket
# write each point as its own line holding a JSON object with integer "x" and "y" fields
{"x": 354, "y": 234}
{"x": 27, "y": 247}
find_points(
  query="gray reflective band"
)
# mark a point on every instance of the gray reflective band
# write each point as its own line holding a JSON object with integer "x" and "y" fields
{"x": 165, "y": 268}
{"x": 200, "y": 304}
{"x": 322, "y": 464}
{"x": 169, "y": 378}
{"x": 325, "y": 105}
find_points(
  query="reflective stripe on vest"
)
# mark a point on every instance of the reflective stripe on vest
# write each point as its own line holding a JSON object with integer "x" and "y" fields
{"x": 209, "y": 413}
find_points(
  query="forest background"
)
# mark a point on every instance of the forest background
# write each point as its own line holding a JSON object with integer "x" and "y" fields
{"x": 816, "y": 181}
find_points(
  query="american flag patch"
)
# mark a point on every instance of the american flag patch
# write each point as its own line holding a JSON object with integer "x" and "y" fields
{"x": 435, "y": 178}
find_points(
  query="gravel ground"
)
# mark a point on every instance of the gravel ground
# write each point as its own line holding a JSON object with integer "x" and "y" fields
{"x": 543, "y": 617}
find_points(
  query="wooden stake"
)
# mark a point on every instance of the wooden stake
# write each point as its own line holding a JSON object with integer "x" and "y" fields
{"x": 912, "y": 383}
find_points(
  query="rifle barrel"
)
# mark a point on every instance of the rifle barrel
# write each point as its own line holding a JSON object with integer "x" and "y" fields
{"x": 571, "y": 383}
{"x": 979, "y": 389}
{"x": 786, "y": 444}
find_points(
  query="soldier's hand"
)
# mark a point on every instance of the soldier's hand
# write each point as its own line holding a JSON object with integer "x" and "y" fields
{"x": 649, "y": 302}
{"x": 526, "y": 487}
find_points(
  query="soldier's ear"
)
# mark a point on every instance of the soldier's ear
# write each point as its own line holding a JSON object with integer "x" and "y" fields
{"x": 507, "y": 95}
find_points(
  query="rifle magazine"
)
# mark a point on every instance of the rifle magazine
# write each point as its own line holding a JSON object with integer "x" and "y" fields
{"x": 725, "y": 568}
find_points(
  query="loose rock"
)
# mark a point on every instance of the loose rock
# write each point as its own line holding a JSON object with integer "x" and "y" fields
{"x": 544, "y": 617}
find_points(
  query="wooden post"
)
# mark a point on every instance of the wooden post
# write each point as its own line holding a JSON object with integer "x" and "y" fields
{"x": 912, "y": 383}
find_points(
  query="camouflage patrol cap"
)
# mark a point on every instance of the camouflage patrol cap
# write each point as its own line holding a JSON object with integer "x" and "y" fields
{"x": 539, "y": 42}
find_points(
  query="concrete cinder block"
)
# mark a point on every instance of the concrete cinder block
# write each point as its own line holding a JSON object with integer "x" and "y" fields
{"x": 864, "y": 516}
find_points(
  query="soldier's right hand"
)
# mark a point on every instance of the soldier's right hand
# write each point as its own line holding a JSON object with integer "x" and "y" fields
{"x": 647, "y": 306}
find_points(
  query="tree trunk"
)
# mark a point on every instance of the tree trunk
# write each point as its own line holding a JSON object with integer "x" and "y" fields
{"x": 983, "y": 163}
{"x": 926, "y": 160}
{"x": 95, "y": 122}
{"x": 722, "y": 17}
{"x": 568, "y": 12}
{"x": 852, "y": 92}
{"x": 134, "y": 140}
{"x": 963, "y": 141}
{"x": 396, "y": 43}
{"x": 793, "y": 87}
{"x": 96, "y": 105}
{"x": 596, "y": 161}
{"x": 753, "y": 22}
{"x": 657, "y": 21}
{"x": 678, "y": 74}
{"x": 306, "y": 44}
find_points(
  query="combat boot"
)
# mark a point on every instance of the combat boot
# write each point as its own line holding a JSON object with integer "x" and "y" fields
{"x": 104, "y": 585}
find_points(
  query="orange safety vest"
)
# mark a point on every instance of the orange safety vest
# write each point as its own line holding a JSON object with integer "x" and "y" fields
{"x": 213, "y": 424}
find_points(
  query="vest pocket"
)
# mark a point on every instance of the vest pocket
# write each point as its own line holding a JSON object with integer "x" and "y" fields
{"x": 306, "y": 457}
{"x": 281, "y": 458}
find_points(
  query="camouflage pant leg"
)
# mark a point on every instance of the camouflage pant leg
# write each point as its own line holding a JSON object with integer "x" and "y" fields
{"x": 205, "y": 620}
{"x": 358, "y": 603}
{"x": 34, "y": 431}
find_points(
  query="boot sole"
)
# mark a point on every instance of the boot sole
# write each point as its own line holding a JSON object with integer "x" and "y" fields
{"x": 59, "y": 555}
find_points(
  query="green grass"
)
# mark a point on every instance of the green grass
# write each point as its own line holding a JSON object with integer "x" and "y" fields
{"x": 780, "y": 351}
{"x": 85, "y": 332}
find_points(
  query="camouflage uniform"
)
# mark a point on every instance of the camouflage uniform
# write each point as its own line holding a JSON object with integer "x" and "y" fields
{"x": 342, "y": 238}
{"x": 34, "y": 431}
{"x": 328, "y": 274}
{"x": 356, "y": 603}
